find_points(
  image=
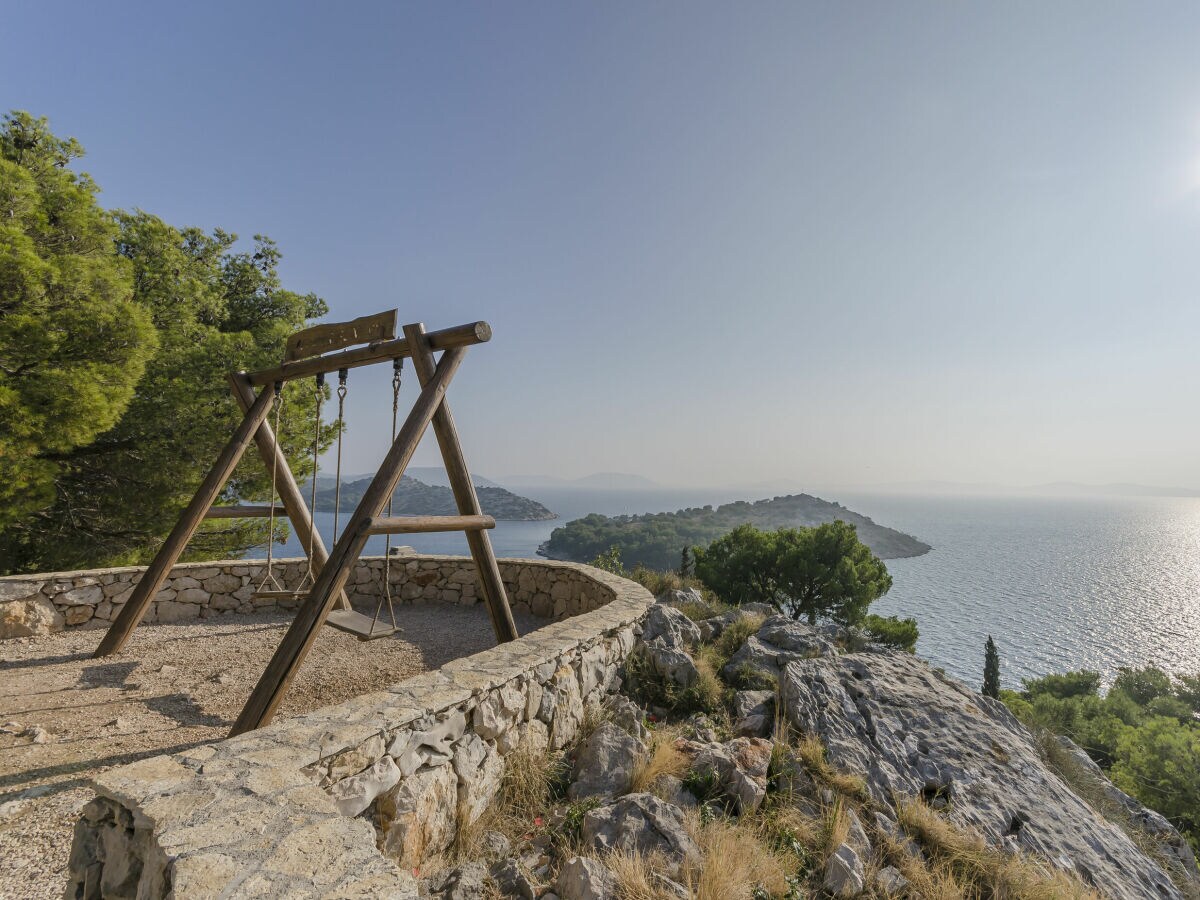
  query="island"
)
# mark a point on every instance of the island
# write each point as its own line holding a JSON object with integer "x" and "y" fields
{"x": 416, "y": 498}
{"x": 655, "y": 540}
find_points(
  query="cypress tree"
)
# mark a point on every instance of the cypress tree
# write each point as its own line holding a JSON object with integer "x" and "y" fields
{"x": 685, "y": 563}
{"x": 991, "y": 669}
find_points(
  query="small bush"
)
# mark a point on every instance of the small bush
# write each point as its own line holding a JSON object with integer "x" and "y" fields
{"x": 738, "y": 631}
{"x": 1064, "y": 686}
{"x": 748, "y": 678}
{"x": 892, "y": 631}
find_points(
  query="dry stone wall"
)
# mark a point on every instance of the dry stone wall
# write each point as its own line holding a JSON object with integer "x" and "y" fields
{"x": 347, "y": 800}
{"x": 40, "y": 604}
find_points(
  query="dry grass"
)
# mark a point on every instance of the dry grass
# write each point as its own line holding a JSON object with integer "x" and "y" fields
{"x": 640, "y": 875}
{"x": 731, "y": 639}
{"x": 735, "y": 859}
{"x": 811, "y": 752}
{"x": 963, "y": 862}
{"x": 663, "y": 758}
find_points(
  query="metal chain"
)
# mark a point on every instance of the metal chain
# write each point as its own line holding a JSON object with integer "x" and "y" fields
{"x": 397, "y": 373}
{"x": 310, "y": 576}
{"x": 341, "y": 427}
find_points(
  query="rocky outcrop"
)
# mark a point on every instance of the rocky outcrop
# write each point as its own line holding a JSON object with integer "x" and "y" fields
{"x": 910, "y": 731}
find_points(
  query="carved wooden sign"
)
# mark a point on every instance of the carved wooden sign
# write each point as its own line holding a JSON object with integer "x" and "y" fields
{"x": 336, "y": 335}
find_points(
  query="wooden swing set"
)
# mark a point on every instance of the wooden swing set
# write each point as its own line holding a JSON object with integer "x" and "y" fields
{"x": 316, "y": 352}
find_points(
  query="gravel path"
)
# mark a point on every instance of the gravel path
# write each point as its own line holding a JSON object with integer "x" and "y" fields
{"x": 65, "y": 715}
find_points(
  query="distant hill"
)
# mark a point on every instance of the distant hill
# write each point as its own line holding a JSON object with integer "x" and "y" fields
{"x": 416, "y": 498}
{"x": 436, "y": 476}
{"x": 657, "y": 539}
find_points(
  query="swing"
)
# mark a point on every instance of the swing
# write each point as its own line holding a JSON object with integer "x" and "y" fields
{"x": 347, "y": 620}
{"x": 336, "y": 347}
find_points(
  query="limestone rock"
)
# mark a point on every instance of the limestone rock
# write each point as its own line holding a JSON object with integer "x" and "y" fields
{"x": 512, "y": 880}
{"x": 754, "y": 713}
{"x": 465, "y": 882}
{"x": 628, "y": 716}
{"x": 581, "y": 878}
{"x": 640, "y": 822}
{"x": 738, "y": 767}
{"x": 354, "y": 794}
{"x": 29, "y": 617}
{"x": 844, "y": 876}
{"x": 910, "y": 731}
{"x": 677, "y": 598}
{"x": 419, "y": 815}
{"x": 12, "y": 591}
{"x": 890, "y": 882}
{"x": 605, "y": 764}
{"x": 778, "y": 642}
{"x": 672, "y": 627}
{"x": 479, "y": 768}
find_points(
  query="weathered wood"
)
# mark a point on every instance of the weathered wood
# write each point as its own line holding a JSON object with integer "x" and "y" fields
{"x": 243, "y": 512}
{"x": 168, "y": 554}
{"x": 464, "y": 491}
{"x": 285, "y": 482}
{"x": 446, "y": 339}
{"x": 422, "y": 524}
{"x": 361, "y": 626}
{"x": 270, "y": 690}
{"x": 330, "y": 336}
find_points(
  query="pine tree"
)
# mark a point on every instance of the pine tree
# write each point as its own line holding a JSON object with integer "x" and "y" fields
{"x": 991, "y": 669}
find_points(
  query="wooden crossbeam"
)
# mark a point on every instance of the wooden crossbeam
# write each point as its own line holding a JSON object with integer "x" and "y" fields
{"x": 446, "y": 339}
{"x": 273, "y": 685}
{"x": 464, "y": 490}
{"x": 244, "y": 512}
{"x": 423, "y": 524}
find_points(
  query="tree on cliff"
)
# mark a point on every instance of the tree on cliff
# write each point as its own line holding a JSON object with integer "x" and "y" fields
{"x": 73, "y": 343}
{"x": 991, "y": 669}
{"x": 809, "y": 573}
{"x": 192, "y": 309}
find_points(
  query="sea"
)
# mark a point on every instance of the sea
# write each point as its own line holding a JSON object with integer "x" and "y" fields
{"x": 1059, "y": 583}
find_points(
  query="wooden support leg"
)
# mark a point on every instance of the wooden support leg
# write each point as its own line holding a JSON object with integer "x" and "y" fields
{"x": 273, "y": 685}
{"x": 289, "y": 492}
{"x": 464, "y": 492}
{"x": 152, "y": 580}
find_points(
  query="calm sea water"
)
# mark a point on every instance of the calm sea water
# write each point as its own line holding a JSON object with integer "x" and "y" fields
{"x": 1059, "y": 583}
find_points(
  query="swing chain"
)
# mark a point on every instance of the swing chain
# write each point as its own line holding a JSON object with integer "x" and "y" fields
{"x": 343, "y": 374}
{"x": 397, "y": 374}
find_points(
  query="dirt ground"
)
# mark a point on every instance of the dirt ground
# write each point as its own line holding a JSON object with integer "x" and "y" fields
{"x": 65, "y": 715}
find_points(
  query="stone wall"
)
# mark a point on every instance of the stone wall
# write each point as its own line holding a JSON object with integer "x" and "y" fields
{"x": 48, "y": 602}
{"x": 347, "y": 800}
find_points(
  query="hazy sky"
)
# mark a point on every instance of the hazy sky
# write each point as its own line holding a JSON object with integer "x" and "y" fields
{"x": 837, "y": 242}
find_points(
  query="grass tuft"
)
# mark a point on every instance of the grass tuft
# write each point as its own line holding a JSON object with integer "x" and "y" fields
{"x": 663, "y": 758}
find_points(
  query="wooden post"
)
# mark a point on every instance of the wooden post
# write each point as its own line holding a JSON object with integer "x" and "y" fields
{"x": 464, "y": 491}
{"x": 270, "y": 690}
{"x": 289, "y": 492}
{"x": 168, "y": 554}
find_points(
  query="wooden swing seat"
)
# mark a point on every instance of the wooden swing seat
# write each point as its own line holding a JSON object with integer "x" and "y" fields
{"x": 279, "y": 595}
{"x": 362, "y": 627}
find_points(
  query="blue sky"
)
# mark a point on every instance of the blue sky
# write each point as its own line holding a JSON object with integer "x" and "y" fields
{"x": 831, "y": 243}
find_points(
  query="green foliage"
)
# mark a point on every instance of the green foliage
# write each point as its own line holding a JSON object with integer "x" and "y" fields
{"x": 609, "y": 561}
{"x": 685, "y": 562}
{"x": 1141, "y": 732}
{"x": 1065, "y": 685}
{"x": 807, "y": 572}
{"x": 1143, "y": 685}
{"x": 138, "y": 343}
{"x": 73, "y": 343}
{"x": 892, "y": 631}
{"x": 991, "y": 669}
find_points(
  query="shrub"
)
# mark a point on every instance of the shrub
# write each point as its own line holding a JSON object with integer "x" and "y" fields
{"x": 892, "y": 631}
{"x": 1068, "y": 684}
